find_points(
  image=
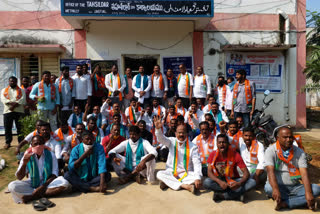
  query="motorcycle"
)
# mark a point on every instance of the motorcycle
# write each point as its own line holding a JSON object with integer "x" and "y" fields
{"x": 263, "y": 124}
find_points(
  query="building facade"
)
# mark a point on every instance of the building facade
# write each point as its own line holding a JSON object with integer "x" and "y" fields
{"x": 37, "y": 35}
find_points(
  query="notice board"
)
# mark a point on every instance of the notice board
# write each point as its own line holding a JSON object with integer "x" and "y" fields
{"x": 174, "y": 62}
{"x": 72, "y": 63}
{"x": 265, "y": 69}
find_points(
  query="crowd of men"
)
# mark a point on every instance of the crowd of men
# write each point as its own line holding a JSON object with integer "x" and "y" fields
{"x": 91, "y": 124}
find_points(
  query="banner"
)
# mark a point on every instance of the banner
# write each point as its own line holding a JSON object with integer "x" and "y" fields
{"x": 72, "y": 63}
{"x": 174, "y": 62}
{"x": 265, "y": 69}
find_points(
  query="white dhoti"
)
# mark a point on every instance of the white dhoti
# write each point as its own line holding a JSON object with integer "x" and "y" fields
{"x": 147, "y": 173}
{"x": 20, "y": 188}
{"x": 166, "y": 176}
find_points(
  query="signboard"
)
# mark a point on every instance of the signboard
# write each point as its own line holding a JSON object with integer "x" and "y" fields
{"x": 174, "y": 62}
{"x": 105, "y": 65}
{"x": 265, "y": 69}
{"x": 138, "y": 8}
{"x": 72, "y": 63}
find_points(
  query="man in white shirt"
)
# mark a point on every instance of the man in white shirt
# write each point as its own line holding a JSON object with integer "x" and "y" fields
{"x": 201, "y": 85}
{"x": 101, "y": 119}
{"x": 115, "y": 84}
{"x": 218, "y": 115}
{"x": 185, "y": 86}
{"x": 141, "y": 84}
{"x": 106, "y": 107}
{"x": 139, "y": 159}
{"x": 252, "y": 153}
{"x": 194, "y": 117}
{"x": 179, "y": 107}
{"x": 13, "y": 99}
{"x": 72, "y": 141}
{"x": 223, "y": 93}
{"x": 95, "y": 130}
{"x": 133, "y": 112}
{"x": 83, "y": 88}
{"x": 63, "y": 132}
{"x": 183, "y": 170}
{"x": 41, "y": 182}
{"x": 158, "y": 109}
{"x": 205, "y": 143}
{"x": 159, "y": 85}
{"x": 208, "y": 107}
{"x": 147, "y": 116}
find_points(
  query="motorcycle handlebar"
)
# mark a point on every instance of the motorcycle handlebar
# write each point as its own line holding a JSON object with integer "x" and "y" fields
{"x": 269, "y": 101}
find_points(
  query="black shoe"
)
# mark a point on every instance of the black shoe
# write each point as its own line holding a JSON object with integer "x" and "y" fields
{"x": 217, "y": 197}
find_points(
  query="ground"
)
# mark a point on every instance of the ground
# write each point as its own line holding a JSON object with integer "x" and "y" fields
{"x": 148, "y": 198}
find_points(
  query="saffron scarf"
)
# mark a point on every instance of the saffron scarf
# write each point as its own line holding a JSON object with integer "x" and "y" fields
{"x": 230, "y": 163}
{"x": 204, "y": 156}
{"x": 293, "y": 171}
{"x": 247, "y": 90}
{"x": 34, "y": 171}
{"x": 224, "y": 93}
{"x": 60, "y": 135}
{"x": 170, "y": 81}
{"x": 119, "y": 85}
{"x": 298, "y": 139}
{"x": 74, "y": 141}
{"x": 83, "y": 170}
{"x": 18, "y": 90}
{"x": 139, "y": 154}
{"x": 154, "y": 139}
{"x": 184, "y": 111}
{"x": 132, "y": 115}
{"x": 145, "y": 81}
{"x": 161, "y": 84}
{"x": 191, "y": 122}
{"x": 187, "y": 82}
{"x": 96, "y": 133}
{"x": 99, "y": 82}
{"x": 186, "y": 160}
{"x": 169, "y": 118}
{"x": 60, "y": 84}
{"x": 235, "y": 139}
{"x": 254, "y": 155}
{"x": 52, "y": 90}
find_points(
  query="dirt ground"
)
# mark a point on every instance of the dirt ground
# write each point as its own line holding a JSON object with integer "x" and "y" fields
{"x": 148, "y": 198}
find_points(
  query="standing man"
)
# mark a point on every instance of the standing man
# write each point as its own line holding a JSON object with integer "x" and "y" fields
{"x": 288, "y": 181}
{"x": 31, "y": 104}
{"x": 185, "y": 86}
{"x": 116, "y": 84}
{"x": 223, "y": 93}
{"x": 25, "y": 83}
{"x": 13, "y": 99}
{"x": 141, "y": 84}
{"x": 172, "y": 88}
{"x": 128, "y": 91}
{"x": 244, "y": 98}
{"x": 48, "y": 98}
{"x": 202, "y": 85}
{"x": 159, "y": 88}
{"x": 67, "y": 93}
{"x": 83, "y": 89}
{"x": 183, "y": 167}
{"x": 99, "y": 89}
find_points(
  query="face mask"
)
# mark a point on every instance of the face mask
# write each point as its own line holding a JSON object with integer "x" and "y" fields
{"x": 38, "y": 149}
{"x": 87, "y": 147}
{"x": 220, "y": 83}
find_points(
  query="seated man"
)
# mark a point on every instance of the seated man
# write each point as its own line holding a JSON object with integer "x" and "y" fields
{"x": 194, "y": 117}
{"x": 75, "y": 117}
{"x": 106, "y": 107}
{"x": 145, "y": 134}
{"x": 180, "y": 121}
{"x": 123, "y": 129}
{"x": 72, "y": 141}
{"x": 172, "y": 114}
{"x": 223, "y": 177}
{"x": 218, "y": 115}
{"x": 87, "y": 166}
{"x": 208, "y": 107}
{"x": 205, "y": 143}
{"x": 239, "y": 120}
{"x": 110, "y": 141}
{"x": 286, "y": 167}
{"x": 43, "y": 180}
{"x": 93, "y": 128}
{"x": 147, "y": 115}
{"x": 116, "y": 110}
{"x": 139, "y": 159}
{"x": 234, "y": 134}
{"x": 101, "y": 119}
{"x": 63, "y": 132}
{"x": 252, "y": 153}
{"x": 171, "y": 131}
{"x": 179, "y": 107}
{"x": 133, "y": 112}
{"x": 184, "y": 171}
{"x": 158, "y": 109}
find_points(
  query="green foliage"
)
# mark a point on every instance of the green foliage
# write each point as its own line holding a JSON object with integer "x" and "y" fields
{"x": 28, "y": 124}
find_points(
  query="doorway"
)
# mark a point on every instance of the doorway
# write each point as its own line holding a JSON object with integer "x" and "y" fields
{"x": 133, "y": 61}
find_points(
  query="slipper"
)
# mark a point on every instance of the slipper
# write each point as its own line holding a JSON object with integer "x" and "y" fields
{"x": 38, "y": 206}
{"x": 46, "y": 202}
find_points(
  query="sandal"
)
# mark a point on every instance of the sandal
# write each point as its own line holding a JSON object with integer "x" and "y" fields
{"x": 38, "y": 206}
{"x": 46, "y": 202}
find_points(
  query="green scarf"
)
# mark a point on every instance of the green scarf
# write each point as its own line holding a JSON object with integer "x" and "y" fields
{"x": 34, "y": 172}
{"x": 83, "y": 170}
{"x": 139, "y": 154}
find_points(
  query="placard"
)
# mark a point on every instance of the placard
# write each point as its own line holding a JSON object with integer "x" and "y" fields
{"x": 72, "y": 63}
{"x": 174, "y": 62}
{"x": 265, "y": 69}
{"x": 135, "y": 8}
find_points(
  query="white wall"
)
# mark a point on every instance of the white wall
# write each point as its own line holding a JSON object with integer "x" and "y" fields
{"x": 111, "y": 39}
{"x": 29, "y": 5}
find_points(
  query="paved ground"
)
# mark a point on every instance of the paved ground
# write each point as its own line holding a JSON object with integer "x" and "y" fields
{"x": 147, "y": 198}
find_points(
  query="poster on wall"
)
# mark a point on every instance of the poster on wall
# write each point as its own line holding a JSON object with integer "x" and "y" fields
{"x": 174, "y": 62}
{"x": 105, "y": 65}
{"x": 265, "y": 69}
{"x": 72, "y": 63}
{"x": 8, "y": 68}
